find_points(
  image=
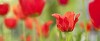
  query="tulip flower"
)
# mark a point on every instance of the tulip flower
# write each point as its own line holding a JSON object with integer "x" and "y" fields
{"x": 88, "y": 28}
{"x": 94, "y": 11}
{"x": 18, "y": 12}
{"x": 63, "y": 2}
{"x": 67, "y": 22}
{"x": 28, "y": 23}
{"x": 44, "y": 29}
{"x": 4, "y": 8}
{"x": 10, "y": 23}
{"x": 28, "y": 38}
{"x": 32, "y": 7}
{"x": 82, "y": 25}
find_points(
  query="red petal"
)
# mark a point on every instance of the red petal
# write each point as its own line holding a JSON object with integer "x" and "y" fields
{"x": 18, "y": 12}
{"x": 63, "y": 2}
{"x": 31, "y": 7}
{"x": 88, "y": 27}
{"x": 70, "y": 16}
{"x": 10, "y": 23}
{"x": 66, "y": 23}
{"x": 4, "y": 8}
{"x": 56, "y": 15}
{"x": 63, "y": 24}
{"x": 29, "y": 38}
{"x": 82, "y": 25}
{"x": 76, "y": 18}
{"x": 94, "y": 11}
{"x": 28, "y": 23}
{"x": 45, "y": 28}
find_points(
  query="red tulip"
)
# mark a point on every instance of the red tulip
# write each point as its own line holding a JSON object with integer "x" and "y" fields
{"x": 32, "y": 7}
{"x": 67, "y": 22}
{"x": 28, "y": 23}
{"x": 63, "y": 2}
{"x": 45, "y": 28}
{"x": 94, "y": 11}
{"x": 88, "y": 28}
{"x": 10, "y": 23}
{"x": 4, "y": 7}
{"x": 28, "y": 38}
{"x": 82, "y": 25}
{"x": 18, "y": 12}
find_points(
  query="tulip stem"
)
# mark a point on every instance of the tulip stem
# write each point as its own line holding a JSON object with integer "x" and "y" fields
{"x": 98, "y": 36}
{"x": 37, "y": 25}
{"x": 2, "y": 28}
{"x": 24, "y": 34}
{"x": 60, "y": 35}
{"x": 69, "y": 36}
{"x": 11, "y": 31}
{"x": 84, "y": 12}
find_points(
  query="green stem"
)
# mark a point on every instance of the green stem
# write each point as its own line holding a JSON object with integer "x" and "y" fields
{"x": 98, "y": 36}
{"x": 2, "y": 27}
{"x": 60, "y": 35}
{"x": 12, "y": 33}
{"x": 24, "y": 34}
{"x": 69, "y": 36}
{"x": 84, "y": 11}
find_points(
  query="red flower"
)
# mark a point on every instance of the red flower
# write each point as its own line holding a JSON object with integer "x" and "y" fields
{"x": 63, "y": 2}
{"x": 32, "y": 7}
{"x": 10, "y": 23}
{"x": 94, "y": 11}
{"x": 28, "y": 38}
{"x": 88, "y": 28}
{"x": 18, "y": 12}
{"x": 45, "y": 28}
{"x": 28, "y": 23}
{"x": 82, "y": 25}
{"x": 67, "y": 22}
{"x": 4, "y": 7}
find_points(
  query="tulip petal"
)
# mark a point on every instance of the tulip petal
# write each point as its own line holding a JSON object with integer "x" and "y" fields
{"x": 76, "y": 18}
{"x": 88, "y": 28}
{"x": 18, "y": 12}
{"x": 70, "y": 16}
{"x": 10, "y": 23}
{"x": 28, "y": 23}
{"x": 45, "y": 28}
{"x": 56, "y": 15}
{"x": 63, "y": 24}
{"x": 4, "y": 8}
